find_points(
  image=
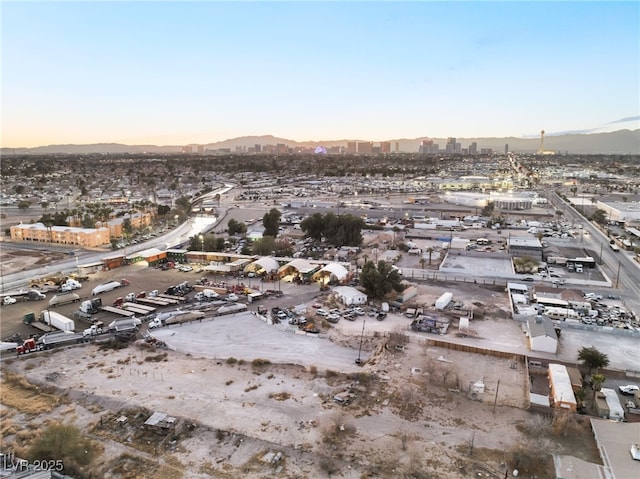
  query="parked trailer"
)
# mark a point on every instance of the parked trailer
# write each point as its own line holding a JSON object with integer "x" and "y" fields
{"x": 166, "y": 300}
{"x": 104, "y": 287}
{"x": 136, "y": 309}
{"x": 179, "y": 299}
{"x": 30, "y": 318}
{"x": 153, "y": 301}
{"x": 124, "y": 325}
{"x": 143, "y": 307}
{"x": 57, "y": 320}
{"x": 59, "y": 339}
{"x": 176, "y": 317}
{"x": 60, "y": 299}
{"x": 121, "y": 312}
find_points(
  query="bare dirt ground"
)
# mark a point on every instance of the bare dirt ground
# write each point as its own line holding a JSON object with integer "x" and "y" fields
{"x": 412, "y": 411}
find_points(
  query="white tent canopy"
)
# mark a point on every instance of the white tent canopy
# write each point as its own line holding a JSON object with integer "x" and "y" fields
{"x": 332, "y": 269}
{"x": 266, "y": 263}
{"x": 302, "y": 266}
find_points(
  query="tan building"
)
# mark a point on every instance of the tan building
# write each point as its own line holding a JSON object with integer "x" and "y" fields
{"x": 365, "y": 148}
{"x": 67, "y": 235}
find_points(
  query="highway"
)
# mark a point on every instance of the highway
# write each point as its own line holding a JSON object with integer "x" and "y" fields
{"x": 620, "y": 267}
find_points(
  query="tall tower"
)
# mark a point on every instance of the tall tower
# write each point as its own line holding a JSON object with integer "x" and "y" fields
{"x": 541, "y": 150}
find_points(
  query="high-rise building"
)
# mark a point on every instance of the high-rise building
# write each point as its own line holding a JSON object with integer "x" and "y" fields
{"x": 187, "y": 149}
{"x": 352, "y": 147}
{"x": 473, "y": 148}
{"x": 258, "y": 148}
{"x": 385, "y": 147}
{"x": 450, "y": 147}
{"x": 397, "y": 147}
{"x": 365, "y": 148}
{"x": 506, "y": 148}
{"x": 428, "y": 147}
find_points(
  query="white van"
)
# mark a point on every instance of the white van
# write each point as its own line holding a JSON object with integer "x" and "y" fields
{"x": 579, "y": 268}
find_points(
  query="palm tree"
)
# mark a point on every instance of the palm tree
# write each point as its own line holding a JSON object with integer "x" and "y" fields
{"x": 422, "y": 262}
{"x": 597, "y": 380}
{"x": 430, "y": 250}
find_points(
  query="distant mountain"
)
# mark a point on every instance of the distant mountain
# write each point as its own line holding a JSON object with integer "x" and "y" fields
{"x": 617, "y": 142}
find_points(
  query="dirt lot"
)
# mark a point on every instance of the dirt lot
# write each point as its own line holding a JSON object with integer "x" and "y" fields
{"x": 412, "y": 413}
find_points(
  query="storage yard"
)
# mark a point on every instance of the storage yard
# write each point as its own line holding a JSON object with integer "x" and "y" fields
{"x": 248, "y": 389}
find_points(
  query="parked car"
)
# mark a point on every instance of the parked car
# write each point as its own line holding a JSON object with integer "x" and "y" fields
{"x": 322, "y": 312}
{"x": 9, "y": 300}
{"x": 333, "y": 318}
{"x": 629, "y": 389}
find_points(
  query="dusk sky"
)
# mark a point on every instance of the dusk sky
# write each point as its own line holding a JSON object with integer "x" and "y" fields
{"x": 169, "y": 73}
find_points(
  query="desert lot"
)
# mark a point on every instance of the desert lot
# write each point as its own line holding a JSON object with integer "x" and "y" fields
{"x": 243, "y": 390}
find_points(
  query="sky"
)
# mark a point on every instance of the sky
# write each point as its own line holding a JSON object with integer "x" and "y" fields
{"x": 176, "y": 73}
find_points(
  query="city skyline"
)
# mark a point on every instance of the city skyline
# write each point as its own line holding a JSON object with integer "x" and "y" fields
{"x": 167, "y": 73}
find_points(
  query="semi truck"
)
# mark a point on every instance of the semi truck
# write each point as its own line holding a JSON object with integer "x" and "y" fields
{"x": 27, "y": 295}
{"x": 105, "y": 287}
{"x": 94, "y": 330}
{"x": 65, "y": 298}
{"x": 91, "y": 306}
{"x": 57, "y": 320}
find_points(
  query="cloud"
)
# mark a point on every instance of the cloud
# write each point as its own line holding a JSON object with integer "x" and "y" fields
{"x": 625, "y": 119}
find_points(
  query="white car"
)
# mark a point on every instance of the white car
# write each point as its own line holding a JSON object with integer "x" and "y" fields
{"x": 629, "y": 389}
{"x": 185, "y": 269}
{"x": 9, "y": 300}
{"x": 322, "y": 312}
{"x": 232, "y": 297}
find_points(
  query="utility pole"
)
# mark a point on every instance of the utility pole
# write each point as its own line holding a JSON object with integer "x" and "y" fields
{"x": 495, "y": 400}
{"x": 601, "y": 246}
{"x": 618, "y": 273}
{"x": 358, "y": 361}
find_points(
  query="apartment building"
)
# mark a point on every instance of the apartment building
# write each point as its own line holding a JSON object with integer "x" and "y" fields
{"x": 66, "y": 235}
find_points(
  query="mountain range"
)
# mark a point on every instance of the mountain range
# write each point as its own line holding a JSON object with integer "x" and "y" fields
{"x": 617, "y": 142}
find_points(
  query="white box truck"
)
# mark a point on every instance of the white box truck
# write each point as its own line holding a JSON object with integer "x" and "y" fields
{"x": 58, "y": 321}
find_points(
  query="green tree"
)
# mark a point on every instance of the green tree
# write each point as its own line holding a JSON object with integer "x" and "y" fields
{"x": 265, "y": 246}
{"x": 271, "y": 222}
{"x": 599, "y": 216}
{"x": 592, "y": 358}
{"x": 163, "y": 210}
{"x": 597, "y": 380}
{"x": 184, "y": 203}
{"x": 313, "y": 226}
{"x": 488, "y": 210}
{"x": 236, "y": 227}
{"x": 430, "y": 250}
{"x": 380, "y": 280}
{"x": 127, "y": 227}
{"x": 344, "y": 230}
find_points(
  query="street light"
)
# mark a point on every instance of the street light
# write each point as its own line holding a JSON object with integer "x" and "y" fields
{"x": 202, "y": 243}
